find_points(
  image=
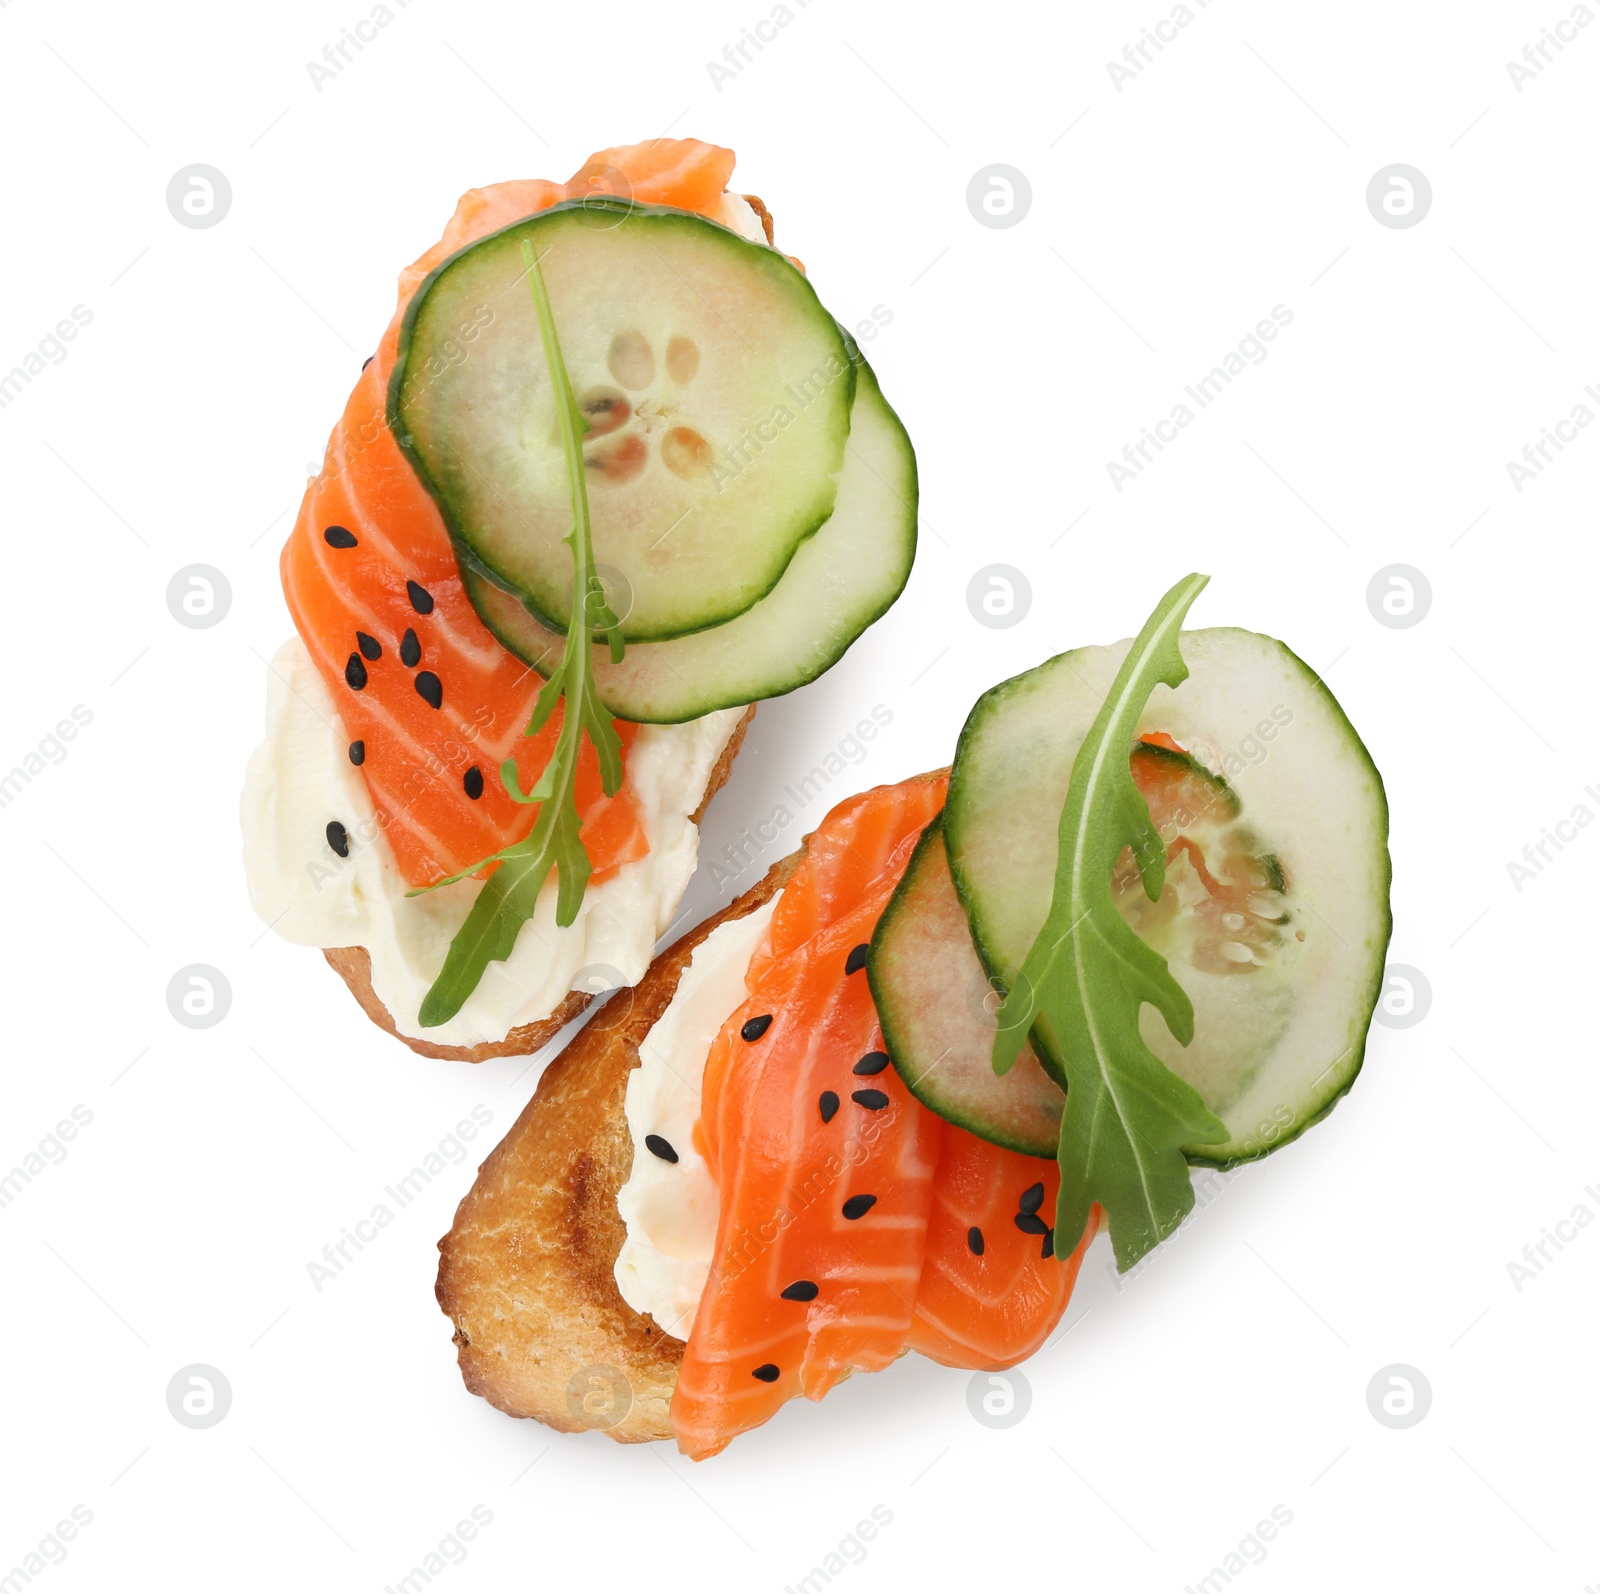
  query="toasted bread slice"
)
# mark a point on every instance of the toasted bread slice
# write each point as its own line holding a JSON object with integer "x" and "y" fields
{"x": 354, "y": 965}
{"x": 525, "y": 1273}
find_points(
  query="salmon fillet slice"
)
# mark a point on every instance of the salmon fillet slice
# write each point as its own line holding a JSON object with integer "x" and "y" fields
{"x": 991, "y": 1293}
{"x": 824, "y": 1161}
{"x": 853, "y": 1224}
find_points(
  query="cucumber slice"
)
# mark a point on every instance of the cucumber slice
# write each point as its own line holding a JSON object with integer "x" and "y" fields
{"x": 838, "y": 583}
{"x": 716, "y": 386}
{"x": 936, "y": 1006}
{"x": 1275, "y": 915}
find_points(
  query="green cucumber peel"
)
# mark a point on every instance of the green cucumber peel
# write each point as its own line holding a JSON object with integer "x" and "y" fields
{"x": 1127, "y": 1116}
{"x": 511, "y": 893}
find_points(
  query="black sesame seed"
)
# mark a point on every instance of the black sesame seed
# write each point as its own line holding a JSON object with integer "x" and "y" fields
{"x": 857, "y": 959}
{"x": 872, "y": 1063}
{"x": 1031, "y": 1223}
{"x": 767, "y": 1372}
{"x": 421, "y": 598}
{"x": 975, "y": 1240}
{"x": 858, "y": 1206}
{"x": 662, "y": 1148}
{"x": 355, "y": 672}
{"x": 338, "y": 838}
{"x": 472, "y": 783}
{"x": 358, "y": 752}
{"x": 872, "y": 1100}
{"x": 338, "y": 537}
{"x": 371, "y": 647}
{"x": 429, "y": 688}
{"x": 829, "y": 1103}
{"x": 1048, "y": 1249}
{"x": 754, "y": 1028}
{"x": 366, "y": 362}
{"x": 1032, "y": 1198}
{"x": 801, "y": 1290}
{"x": 410, "y": 650}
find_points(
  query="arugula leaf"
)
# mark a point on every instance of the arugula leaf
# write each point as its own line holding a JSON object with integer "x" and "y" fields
{"x": 510, "y": 894}
{"x": 1127, "y": 1115}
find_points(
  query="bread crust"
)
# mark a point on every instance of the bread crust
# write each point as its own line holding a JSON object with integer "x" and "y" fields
{"x": 526, "y": 1271}
{"x": 353, "y": 964}
{"x": 763, "y": 215}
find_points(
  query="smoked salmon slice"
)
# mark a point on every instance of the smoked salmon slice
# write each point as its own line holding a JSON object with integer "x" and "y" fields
{"x": 991, "y": 1292}
{"x": 854, "y": 846}
{"x": 431, "y": 701}
{"x": 681, "y": 172}
{"x": 853, "y": 1224}
{"x": 824, "y": 1161}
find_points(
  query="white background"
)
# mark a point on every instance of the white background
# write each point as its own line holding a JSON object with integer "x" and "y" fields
{"x": 1167, "y": 218}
